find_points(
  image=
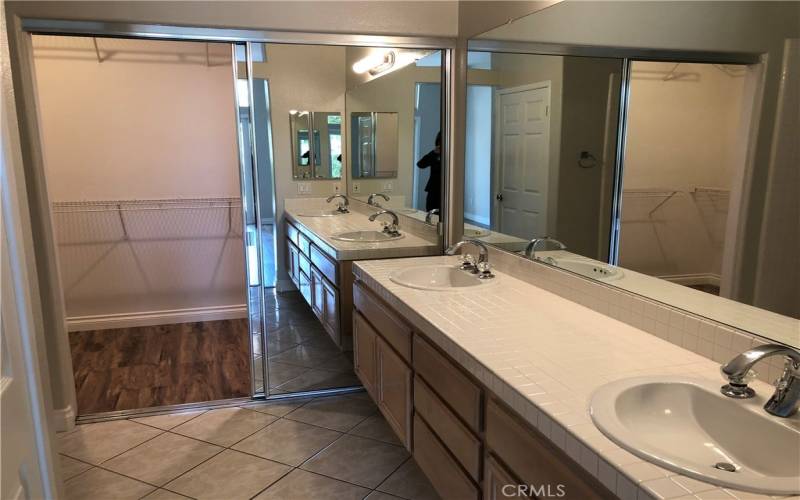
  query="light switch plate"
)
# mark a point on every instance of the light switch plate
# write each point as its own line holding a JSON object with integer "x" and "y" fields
{"x": 337, "y": 188}
{"x": 356, "y": 187}
{"x": 303, "y": 188}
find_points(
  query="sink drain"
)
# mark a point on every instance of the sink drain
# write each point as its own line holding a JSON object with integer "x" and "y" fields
{"x": 727, "y": 467}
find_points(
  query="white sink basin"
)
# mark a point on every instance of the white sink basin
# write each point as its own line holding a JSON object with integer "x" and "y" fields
{"x": 589, "y": 269}
{"x": 365, "y": 236}
{"x": 438, "y": 277}
{"x": 687, "y": 426}
{"x": 319, "y": 213}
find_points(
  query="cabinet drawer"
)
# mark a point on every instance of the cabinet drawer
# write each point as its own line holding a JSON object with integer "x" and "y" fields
{"x": 304, "y": 264}
{"x": 449, "y": 382}
{"x": 291, "y": 232}
{"x": 456, "y": 437}
{"x": 396, "y": 332}
{"x": 534, "y": 459}
{"x": 394, "y": 391}
{"x": 325, "y": 264}
{"x": 441, "y": 469}
{"x": 303, "y": 244}
{"x": 292, "y": 261}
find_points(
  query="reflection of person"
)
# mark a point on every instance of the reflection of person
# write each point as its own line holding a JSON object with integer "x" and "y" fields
{"x": 434, "y": 185}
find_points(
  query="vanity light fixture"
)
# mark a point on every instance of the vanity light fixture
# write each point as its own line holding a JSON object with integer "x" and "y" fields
{"x": 375, "y": 63}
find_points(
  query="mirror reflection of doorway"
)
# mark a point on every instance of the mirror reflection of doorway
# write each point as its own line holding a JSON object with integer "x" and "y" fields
{"x": 427, "y": 123}
{"x": 142, "y": 173}
{"x": 681, "y": 156}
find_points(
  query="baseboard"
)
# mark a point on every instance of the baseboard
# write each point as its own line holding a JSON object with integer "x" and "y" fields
{"x": 64, "y": 419}
{"x": 151, "y": 318}
{"x": 693, "y": 279}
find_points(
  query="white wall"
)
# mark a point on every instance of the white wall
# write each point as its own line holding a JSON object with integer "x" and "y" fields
{"x": 126, "y": 128}
{"x": 153, "y": 120}
{"x": 682, "y": 132}
{"x": 682, "y": 135}
{"x": 478, "y": 158}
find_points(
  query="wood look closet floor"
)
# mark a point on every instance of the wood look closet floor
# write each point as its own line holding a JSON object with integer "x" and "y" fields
{"x": 129, "y": 368}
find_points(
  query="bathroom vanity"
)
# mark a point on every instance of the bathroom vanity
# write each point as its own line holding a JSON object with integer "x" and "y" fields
{"x": 320, "y": 266}
{"x": 490, "y": 384}
{"x": 462, "y": 434}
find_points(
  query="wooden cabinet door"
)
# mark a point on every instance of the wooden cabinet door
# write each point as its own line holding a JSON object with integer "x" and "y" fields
{"x": 292, "y": 262}
{"x": 394, "y": 391}
{"x": 364, "y": 355}
{"x": 317, "y": 294}
{"x": 330, "y": 319}
{"x": 499, "y": 483}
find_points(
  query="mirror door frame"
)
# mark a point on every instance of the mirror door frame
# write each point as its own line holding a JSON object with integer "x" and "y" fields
{"x": 29, "y": 114}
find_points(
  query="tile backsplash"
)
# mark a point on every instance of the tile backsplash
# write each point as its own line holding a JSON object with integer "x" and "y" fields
{"x": 700, "y": 335}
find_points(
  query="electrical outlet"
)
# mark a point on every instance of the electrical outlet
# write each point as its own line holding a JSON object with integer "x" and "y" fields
{"x": 303, "y": 188}
{"x": 356, "y": 187}
{"x": 387, "y": 187}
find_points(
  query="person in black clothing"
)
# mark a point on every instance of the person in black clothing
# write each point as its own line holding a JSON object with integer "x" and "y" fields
{"x": 433, "y": 160}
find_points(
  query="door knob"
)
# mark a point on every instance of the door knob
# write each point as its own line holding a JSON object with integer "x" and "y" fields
{"x": 499, "y": 197}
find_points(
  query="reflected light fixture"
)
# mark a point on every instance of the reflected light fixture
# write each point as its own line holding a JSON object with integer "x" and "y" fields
{"x": 375, "y": 63}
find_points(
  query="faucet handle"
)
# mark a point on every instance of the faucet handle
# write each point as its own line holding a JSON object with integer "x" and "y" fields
{"x": 485, "y": 270}
{"x": 467, "y": 262}
{"x": 738, "y": 388}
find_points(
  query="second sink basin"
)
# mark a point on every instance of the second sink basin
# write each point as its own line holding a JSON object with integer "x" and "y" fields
{"x": 365, "y": 236}
{"x": 687, "y": 426}
{"x": 438, "y": 277}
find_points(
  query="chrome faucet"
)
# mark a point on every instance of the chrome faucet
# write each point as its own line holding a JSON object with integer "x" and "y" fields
{"x": 390, "y": 229}
{"x": 481, "y": 267}
{"x": 430, "y": 214}
{"x": 371, "y": 199}
{"x": 786, "y": 399}
{"x": 342, "y": 208}
{"x": 530, "y": 250}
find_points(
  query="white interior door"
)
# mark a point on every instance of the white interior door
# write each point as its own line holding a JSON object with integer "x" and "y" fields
{"x": 523, "y": 160}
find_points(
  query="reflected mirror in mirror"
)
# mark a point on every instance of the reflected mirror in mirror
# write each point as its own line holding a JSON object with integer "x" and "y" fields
{"x": 394, "y": 106}
{"x": 374, "y": 141}
{"x": 700, "y": 209}
{"x": 316, "y": 155}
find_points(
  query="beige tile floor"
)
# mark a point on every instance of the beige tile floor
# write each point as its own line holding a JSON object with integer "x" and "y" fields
{"x": 300, "y": 354}
{"x": 335, "y": 448}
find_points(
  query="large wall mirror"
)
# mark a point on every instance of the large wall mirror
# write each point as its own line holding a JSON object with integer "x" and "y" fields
{"x": 666, "y": 171}
{"x": 393, "y": 105}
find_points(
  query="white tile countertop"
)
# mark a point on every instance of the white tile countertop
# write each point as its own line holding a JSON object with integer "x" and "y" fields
{"x": 544, "y": 356}
{"x": 322, "y": 229}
